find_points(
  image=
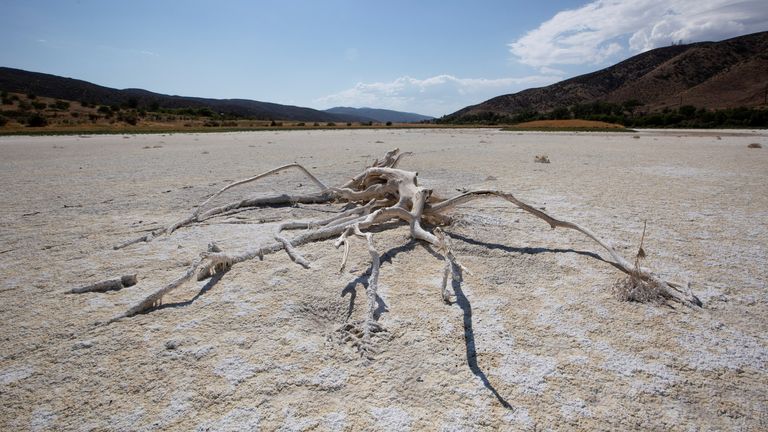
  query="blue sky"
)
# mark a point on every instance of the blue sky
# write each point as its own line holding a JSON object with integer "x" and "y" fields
{"x": 431, "y": 57}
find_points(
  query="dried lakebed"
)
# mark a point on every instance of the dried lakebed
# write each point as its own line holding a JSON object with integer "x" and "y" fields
{"x": 536, "y": 339}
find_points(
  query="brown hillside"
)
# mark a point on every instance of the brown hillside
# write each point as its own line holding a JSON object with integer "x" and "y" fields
{"x": 722, "y": 74}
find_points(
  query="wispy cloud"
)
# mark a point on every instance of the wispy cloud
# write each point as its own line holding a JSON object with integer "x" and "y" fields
{"x": 436, "y": 96}
{"x": 146, "y": 53}
{"x": 600, "y": 30}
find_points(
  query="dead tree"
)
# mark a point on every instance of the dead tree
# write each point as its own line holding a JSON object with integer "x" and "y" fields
{"x": 380, "y": 194}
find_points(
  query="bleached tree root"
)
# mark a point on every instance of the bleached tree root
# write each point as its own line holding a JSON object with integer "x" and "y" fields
{"x": 107, "y": 285}
{"x": 378, "y": 195}
{"x": 669, "y": 290}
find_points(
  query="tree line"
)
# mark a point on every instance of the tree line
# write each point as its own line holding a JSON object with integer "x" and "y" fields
{"x": 629, "y": 114}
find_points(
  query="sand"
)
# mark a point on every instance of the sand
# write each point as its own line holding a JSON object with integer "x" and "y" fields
{"x": 536, "y": 325}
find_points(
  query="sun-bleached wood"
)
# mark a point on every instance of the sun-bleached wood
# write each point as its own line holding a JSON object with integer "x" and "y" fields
{"x": 379, "y": 194}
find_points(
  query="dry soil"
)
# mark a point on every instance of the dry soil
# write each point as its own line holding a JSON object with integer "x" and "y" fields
{"x": 536, "y": 340}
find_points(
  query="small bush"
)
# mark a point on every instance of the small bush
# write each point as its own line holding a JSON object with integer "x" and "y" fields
{"x": 31, "y": 96}
{"x": 541, "y": 159}
{"x": 755, "y": 145}
{"x": 3, "y": 121}
{"x": 632, "y": 288}
{"x": 316, "y": 124}
{"x": 129, "y": 117}
{"x": 389, "y": 123}
{"x": 37, "y": 120}
{"x": 39, "y": 105}
{"x": 61, "y": 105}
{"x": 349, "y": 124}
{"x": 330, "y": 124}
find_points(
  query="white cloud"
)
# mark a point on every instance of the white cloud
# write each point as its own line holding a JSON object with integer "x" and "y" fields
{"x": 436, "y": 96}
{"x": 598, "y": 31}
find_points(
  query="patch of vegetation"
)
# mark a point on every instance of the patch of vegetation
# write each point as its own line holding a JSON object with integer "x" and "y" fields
{"x": 61, "y": 105}
{"x": 629, "y": 115}
{"x": 37, "y": 120}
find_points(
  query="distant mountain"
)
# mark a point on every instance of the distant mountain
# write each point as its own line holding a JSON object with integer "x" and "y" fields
{"x": 726, "y": 74}
{"x": 40, "y": 84}
{"x": 380, "y": 115}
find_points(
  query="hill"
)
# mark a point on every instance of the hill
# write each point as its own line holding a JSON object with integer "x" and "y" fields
{"x": 380, "y": 115}
{"x": 713, "y": 75}
{"x": 53, "y": 86}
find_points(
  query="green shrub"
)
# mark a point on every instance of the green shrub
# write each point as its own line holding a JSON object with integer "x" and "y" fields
{"x": 129, "y": 117}
{"x": 61, "y": 105}
{"x": 37, "y": 120}
{"x": 39, "y": 105}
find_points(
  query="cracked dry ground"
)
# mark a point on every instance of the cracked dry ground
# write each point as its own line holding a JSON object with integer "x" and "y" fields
{"x": 535, "y": 327}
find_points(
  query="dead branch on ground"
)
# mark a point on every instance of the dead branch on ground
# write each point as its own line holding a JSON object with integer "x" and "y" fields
{"x": 378, "y": 195}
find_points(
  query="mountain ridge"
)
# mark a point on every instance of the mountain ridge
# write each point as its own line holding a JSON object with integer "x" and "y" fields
{"x": 714, "y": 75}
{"x": 381, "y": 115}
{"x": 54, "y": 86}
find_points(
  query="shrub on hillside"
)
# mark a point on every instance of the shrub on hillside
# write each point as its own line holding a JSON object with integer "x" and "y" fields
{"x": 37, "y": 120}
{"x": 61, "y": 105}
